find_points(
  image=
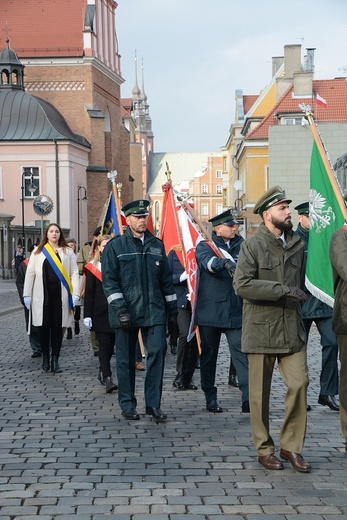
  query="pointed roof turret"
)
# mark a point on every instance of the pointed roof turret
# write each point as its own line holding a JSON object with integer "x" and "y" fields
{"x": 144, "y": 97}
{"x": 136, "y": 92}
{"x": 11, "y": 69}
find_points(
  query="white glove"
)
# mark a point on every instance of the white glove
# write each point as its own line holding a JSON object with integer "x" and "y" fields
{"x": 75, "y": 299}
{"x": 88, "y": 323}
{"x": 27, "y": 301}
{"x": 184, "y": 276}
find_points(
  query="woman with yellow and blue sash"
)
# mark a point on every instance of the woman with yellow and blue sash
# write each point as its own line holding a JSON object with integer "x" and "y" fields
{"x": 51, "y": 289}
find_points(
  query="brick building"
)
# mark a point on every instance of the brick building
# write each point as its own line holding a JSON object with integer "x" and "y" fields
{"x": 71, "y": 59}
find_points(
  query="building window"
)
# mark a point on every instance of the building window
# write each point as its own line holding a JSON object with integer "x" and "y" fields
{"x": 31, "y": 181}
{"x": 219, "y": 189}
{"x": 204, "y": 209}
{"x": 219, "y": 174}
{"x": 291, "y": 120}
{"x": 204, "y": 188}
{"x": 1, "y": 194}
{"x": 219, "y": 208}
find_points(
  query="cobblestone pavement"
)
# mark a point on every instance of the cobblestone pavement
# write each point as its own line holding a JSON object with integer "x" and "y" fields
{"x": 66, "y": 452}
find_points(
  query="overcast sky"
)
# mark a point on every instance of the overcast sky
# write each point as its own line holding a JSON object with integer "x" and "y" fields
{"x": 196, "y": 53}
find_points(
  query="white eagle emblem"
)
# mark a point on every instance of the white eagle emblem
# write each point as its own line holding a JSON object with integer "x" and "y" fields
{"x": 321, "y": 214}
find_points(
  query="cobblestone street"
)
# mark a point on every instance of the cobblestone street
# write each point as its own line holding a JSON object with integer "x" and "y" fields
{"x": 66, "y": 452}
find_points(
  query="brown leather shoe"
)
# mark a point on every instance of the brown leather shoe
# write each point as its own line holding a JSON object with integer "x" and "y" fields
{"x": 270, "y": 461}
{"x": 139, "y": 366}
{"x": 296, "y": 460}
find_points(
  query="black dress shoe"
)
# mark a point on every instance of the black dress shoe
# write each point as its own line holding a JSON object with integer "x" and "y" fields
{"x": 101, "y": 377}
{"x": 233, "y": 381}
{"x": 77, "y": 328}
{"x": 178, "y": 381}
{"x": 173, "y": 349}
{"x": 156, "y": 413}
{"x": 329, "y": 400}
{"x": 131, "y": 414}
{"x": 55, "y": 368}
{"x": 110, "y": 385}
{"x": 213, "y": 406}
{"x": 45, "y": 363}
{"x": 308, "y": 407}
{"x": 36, "y": 354}
{"x": 189, "y": 386}
{"x": 245, "y": 407}
{"x": 69, "y": 333}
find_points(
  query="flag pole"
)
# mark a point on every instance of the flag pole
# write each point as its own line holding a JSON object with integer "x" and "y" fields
{"x": 322, "y": 151}
{"x": 117, "y": 188}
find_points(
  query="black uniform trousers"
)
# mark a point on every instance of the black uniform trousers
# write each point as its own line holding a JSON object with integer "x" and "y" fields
{"x": 154, "y": 339}
{"x": 210, "y": 340}
{"x": 329, "y": 376}
{"x": 187, "y": 351}
{"x": 106, "y": 346}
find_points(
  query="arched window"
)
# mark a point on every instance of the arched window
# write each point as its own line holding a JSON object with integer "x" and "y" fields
{"x": 5, "y": 77}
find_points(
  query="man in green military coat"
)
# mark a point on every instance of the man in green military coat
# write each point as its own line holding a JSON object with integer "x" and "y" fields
{"x": 270, "y": 278}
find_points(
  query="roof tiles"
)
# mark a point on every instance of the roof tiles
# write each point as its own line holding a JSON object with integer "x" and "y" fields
{"x": 334, "y": 91}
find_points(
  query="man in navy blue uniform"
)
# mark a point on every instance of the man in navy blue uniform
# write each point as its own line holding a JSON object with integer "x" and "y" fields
{"x": 138, "y": 286}
{"x": 314, "y": 310}
{"x": 219, "y": 310}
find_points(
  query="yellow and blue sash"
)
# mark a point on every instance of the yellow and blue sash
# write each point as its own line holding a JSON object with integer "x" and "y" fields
{"x": 59, "y": 270}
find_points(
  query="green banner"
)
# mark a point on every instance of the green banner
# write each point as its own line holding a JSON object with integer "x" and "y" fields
{"x": 325, "y": 217}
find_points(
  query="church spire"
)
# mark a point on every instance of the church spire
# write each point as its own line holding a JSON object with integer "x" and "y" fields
{"x": 136, "y": 92}
{"x": 144, "y": 97}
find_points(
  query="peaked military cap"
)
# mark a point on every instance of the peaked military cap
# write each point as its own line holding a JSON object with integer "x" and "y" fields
{"x": 273, "y": 196}
{"x": 303, "y": 208}
{"x": 138, "y": 208}
{"x": 223, "y": 218}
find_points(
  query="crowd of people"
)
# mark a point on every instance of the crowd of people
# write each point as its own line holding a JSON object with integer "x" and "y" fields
{"x": 253, "y": 291}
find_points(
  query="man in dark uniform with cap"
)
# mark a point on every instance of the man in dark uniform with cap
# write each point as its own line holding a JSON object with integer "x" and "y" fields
{"x": 314, "y": 310}
{"x": 219, "y": 310}
{"x": 270, "y": 278}
{"x": 138, "y": 286}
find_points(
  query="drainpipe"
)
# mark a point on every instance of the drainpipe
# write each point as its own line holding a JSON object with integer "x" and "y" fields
{"x": 57, "y": 181}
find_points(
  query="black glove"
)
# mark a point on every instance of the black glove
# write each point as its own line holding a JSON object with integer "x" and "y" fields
{"x": 295, "y": 292}
{"x": 229, "y": 265}
{"x": 125, "y": 320}
{"x": 172, "y": 326}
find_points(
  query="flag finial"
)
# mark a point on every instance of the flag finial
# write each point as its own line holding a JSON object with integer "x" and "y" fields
{"x": 168, "y": 172}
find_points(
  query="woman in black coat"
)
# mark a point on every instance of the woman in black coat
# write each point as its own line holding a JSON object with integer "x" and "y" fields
{"x": 96, "y": 314}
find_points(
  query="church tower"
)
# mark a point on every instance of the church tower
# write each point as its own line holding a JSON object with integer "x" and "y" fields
{"x": 143, "y": 122}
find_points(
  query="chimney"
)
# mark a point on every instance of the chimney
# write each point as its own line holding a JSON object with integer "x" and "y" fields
{"x": 292, "y": 64}
{"x": 303, "y": 80}
{"x": 239, "y": 109}
{"x": 277, "y": 62}
{"x": 309, "y": 60}
{"x": 303, "y": 83}
{"x": 292, "y": 59}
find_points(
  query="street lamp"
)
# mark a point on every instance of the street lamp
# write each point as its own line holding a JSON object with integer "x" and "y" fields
{"x": 78, "y": 211}
{"x": 31, "y": 189}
